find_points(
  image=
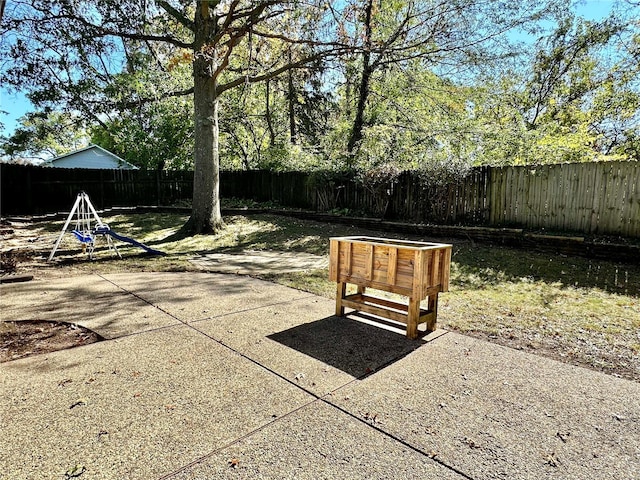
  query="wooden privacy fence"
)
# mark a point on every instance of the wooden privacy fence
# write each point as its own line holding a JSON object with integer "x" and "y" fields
{"x": 591, "y": 198}
{"x": 29, "y": 190}
{"x": 599, "y": 198}
{"x": 411, "y": 196}
{"x": 290, "y": 189}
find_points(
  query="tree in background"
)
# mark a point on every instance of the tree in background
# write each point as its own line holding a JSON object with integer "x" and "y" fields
{"x": 565, "y": 95}
{"x": 44, "y": 135}
{"x": 414, "y": 118}
{"x": 154, "y": 136}
{"x": 448, "y": 38}
{"x": 70, "y": 54}
{"x": 278, "y": 124}
{"x": 576, "y": 98}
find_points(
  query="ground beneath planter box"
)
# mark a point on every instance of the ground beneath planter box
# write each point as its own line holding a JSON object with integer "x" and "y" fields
{"x": 24, "y": 338}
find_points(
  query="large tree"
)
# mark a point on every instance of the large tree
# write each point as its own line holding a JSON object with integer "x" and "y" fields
{"x": 576, "y": 98}
{"x": 452, "y": 38}
{"x": 70, "y": 53}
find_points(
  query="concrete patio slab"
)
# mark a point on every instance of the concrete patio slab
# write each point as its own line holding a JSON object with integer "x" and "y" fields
{"x": 132, "y": 408}
{"x": 267, "y": 376}
{"x": 39, "y": 293}
{"x": 316, "y": 442}
{"x": 87, "y": 300}
{"x": 196, "y": 296}
{"x": 301, "y": 341}
{"x": 495, "y": 412}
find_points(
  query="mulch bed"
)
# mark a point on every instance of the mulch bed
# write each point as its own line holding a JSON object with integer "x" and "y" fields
{"x": 23, "y": 338}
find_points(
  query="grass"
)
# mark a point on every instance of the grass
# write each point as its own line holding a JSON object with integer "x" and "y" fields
{"x": 581, "y": 311}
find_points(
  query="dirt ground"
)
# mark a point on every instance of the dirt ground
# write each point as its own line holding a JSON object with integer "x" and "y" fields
{"x": 23, "y": 338}
{"x": 21, "y": 256}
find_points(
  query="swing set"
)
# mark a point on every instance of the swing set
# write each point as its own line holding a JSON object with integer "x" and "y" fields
{"x": 86, "y": 234}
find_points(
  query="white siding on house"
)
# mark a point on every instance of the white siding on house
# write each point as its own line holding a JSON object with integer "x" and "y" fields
{"x": 91, "y": 157}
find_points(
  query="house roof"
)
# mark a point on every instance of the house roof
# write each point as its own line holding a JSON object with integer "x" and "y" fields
{"x": 92, "y": 156}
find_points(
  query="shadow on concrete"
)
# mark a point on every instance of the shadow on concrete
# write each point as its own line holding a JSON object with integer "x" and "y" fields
{"x": 356, "y": 348}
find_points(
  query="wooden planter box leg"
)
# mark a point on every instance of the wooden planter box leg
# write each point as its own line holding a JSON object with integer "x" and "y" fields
{"x": 413, "y": 317}
{"x": 432, "y": 304}
{"x": 340, "y": 293}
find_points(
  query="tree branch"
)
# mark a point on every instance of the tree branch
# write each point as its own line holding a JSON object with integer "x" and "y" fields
{"x": 295, "y": 41}
{"x": 131, "y": 104}
{"x": 251, "y": 17}
{"x": 180, "y": 18}
{"x": 274, "y": 73}
{"x": 101, "y": 31}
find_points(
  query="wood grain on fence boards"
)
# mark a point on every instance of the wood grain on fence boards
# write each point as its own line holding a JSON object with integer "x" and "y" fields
{"x": 598, "y": 197}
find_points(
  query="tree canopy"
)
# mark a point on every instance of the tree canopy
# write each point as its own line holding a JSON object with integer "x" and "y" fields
{"x": 359, "y": 84}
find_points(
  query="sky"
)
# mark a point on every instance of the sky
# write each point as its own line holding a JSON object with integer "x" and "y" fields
{"x": 12, "y": 107}
{"x": 15, "y": 105}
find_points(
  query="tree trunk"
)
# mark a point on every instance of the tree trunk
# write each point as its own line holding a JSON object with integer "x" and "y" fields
{"x": 272, "y": 135}
{"x": 292, "y": 113}
{"x": 363, "y": 93}
{"x": 205, "y": 214}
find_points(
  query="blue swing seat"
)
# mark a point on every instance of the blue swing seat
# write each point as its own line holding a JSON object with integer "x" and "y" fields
{"x": 82, "y": 237}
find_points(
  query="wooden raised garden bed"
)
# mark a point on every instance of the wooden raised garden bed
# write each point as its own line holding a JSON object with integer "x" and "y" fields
{"x": 418, "y": 270}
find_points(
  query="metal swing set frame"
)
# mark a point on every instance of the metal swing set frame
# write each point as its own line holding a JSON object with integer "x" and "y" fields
{"x": 83, "y": 231}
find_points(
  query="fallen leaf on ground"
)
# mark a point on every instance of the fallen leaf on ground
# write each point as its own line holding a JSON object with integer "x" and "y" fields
{"x": 80, "y": 403}
{"x": 75, "y": 471}
{"x": 552, "y": 460}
